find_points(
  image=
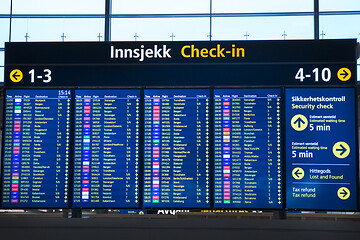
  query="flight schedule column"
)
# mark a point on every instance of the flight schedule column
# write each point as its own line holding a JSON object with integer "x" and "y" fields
{"x": 36, "y": 148}
{"x": 176, "y": 150}
{"x": 106, "y": 160}
{"x": 247, "y": 148}
{"x": 321, "y": 153}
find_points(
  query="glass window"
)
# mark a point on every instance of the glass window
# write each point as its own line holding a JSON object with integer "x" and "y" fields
{"x": 340, "y": 26}
{"x": 79, "y": 29}
{"x": 263, "y": 28}
{"x": 336, "y": 5}
{"x": 160, "y": 6}
{"x": 5, "y": 7}
{"x": 58, "y": 6}
{"x": 246, "y": 6}
{"x": 4, "y": 31}
{"x": 2, "y": 74}
{"x": 159, "y": 29}
{"x": 2, "y": 60}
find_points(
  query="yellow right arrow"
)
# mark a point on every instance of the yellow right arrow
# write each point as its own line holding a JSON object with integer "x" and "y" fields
{"x": 344, "y": 74}
{"x": 343, "y": 193}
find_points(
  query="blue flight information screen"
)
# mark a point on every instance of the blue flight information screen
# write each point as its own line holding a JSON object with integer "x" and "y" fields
{"x": 36, "y": 148}
{"x": 247, "y": 169}
{"x": 320, "y": 149}
{"x": 106, "y": 152}
{"x": 176, "y": 150}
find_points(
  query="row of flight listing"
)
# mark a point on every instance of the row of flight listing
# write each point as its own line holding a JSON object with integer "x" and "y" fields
{"x": 263, "y": 148}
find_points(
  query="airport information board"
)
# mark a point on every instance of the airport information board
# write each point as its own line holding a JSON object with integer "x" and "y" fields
{"x": 36, "y": 148}
{"x": 176, "y": 148}
{"x": 106, "y": 152}
{"x": 220, "y": 124}
{"x": 321, "y": 148}
{"x": 247, "y": 156}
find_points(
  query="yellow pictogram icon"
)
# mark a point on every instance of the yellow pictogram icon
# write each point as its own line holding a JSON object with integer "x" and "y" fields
{"x": 343, "y": 193}
{"x": 344, "y": 74}
{"x": 299, "y": 122}
{"x": 298, "y": 173}
{"x": 341, "y": 149}
{"x": 16, "y": 75}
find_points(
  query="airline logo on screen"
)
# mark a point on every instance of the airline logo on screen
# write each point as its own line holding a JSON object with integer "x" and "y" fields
{"x": 186, "y": 51}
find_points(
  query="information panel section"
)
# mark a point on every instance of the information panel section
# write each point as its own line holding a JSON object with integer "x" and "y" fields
{"x": 247, "y": 148}
{"x": 176, "y": 160}
{"x": 320, "y": 149}
{"x": 36, "y": 148}
{"x": 106, "y": 153}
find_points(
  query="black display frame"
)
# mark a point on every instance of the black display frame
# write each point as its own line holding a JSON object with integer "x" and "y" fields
{"x": 211, "y": 87}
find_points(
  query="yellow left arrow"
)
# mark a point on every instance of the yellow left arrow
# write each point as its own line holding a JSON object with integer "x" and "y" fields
{"x": 298, "y": 173}
{"x": 16, "y": 75}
